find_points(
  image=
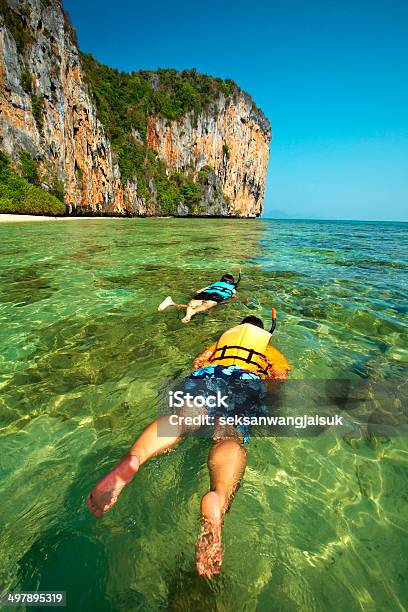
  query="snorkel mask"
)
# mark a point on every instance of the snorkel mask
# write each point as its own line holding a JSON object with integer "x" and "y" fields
{"x": 228, "y": 278}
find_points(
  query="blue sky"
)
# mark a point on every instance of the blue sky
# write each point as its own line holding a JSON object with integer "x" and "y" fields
{"x": 331, "y": 77}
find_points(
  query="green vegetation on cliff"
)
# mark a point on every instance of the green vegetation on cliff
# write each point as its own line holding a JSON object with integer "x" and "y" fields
{"x": 125, "y": 100}
{"x": 18, "y": 195}
{"x": 17, "y": 25}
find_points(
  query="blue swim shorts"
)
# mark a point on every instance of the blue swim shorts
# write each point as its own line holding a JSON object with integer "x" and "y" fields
{"x": 243, "y": 390}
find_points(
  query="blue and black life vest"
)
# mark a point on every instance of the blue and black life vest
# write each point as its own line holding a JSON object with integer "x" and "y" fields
{"x": 225, "y": 290}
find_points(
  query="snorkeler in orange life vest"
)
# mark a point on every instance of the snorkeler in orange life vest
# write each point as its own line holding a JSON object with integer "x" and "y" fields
{"x": 206, "y": 298}
{"x": 242, "y": 353}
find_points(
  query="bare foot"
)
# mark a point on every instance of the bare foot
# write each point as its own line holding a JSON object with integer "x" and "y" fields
{"x": 186, "y": 319}
{"x": 105, "y": 493}
{"x": 165, "y": 304}
{"x": 208, "y": 546}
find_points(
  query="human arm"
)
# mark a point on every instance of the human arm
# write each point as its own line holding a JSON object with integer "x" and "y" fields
{"x": 278, "y": 368}
{"x": 203, "y": 357}
{"x": 275, "y": 374}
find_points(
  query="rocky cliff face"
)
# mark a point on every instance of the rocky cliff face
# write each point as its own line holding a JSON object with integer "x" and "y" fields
{"x": 47, "y": 109}
{"x": 231, "y": 138}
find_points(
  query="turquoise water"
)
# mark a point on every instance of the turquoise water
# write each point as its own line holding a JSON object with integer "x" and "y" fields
{"x": 318, "y": 524}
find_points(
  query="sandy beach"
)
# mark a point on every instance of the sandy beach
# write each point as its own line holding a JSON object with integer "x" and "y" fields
{"x": 7, "y": 218}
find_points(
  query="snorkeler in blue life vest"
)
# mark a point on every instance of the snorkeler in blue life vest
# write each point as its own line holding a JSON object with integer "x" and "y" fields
{"x": 206, "y": 298}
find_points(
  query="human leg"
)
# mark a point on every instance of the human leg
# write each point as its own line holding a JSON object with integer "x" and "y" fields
{"x": 106, "y": 491}
{"x": 196, "y": 306}
{"x": 226, "y": 462}
{"x": 169, "y": 302}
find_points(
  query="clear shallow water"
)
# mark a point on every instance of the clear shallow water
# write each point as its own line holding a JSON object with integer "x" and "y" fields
{"x": 318, "y": 524}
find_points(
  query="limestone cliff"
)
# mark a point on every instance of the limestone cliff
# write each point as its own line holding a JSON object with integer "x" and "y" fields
{"x": 228, "y": 137}
{"x": 210, "y": 159}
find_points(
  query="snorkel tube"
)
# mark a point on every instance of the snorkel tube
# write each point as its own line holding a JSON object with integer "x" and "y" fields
{"x": 239, "y": 278}
{"x": 273, "y": 315}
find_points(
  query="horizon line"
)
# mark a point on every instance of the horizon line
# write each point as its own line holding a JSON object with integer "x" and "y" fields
{"x": 325, "y": 219}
